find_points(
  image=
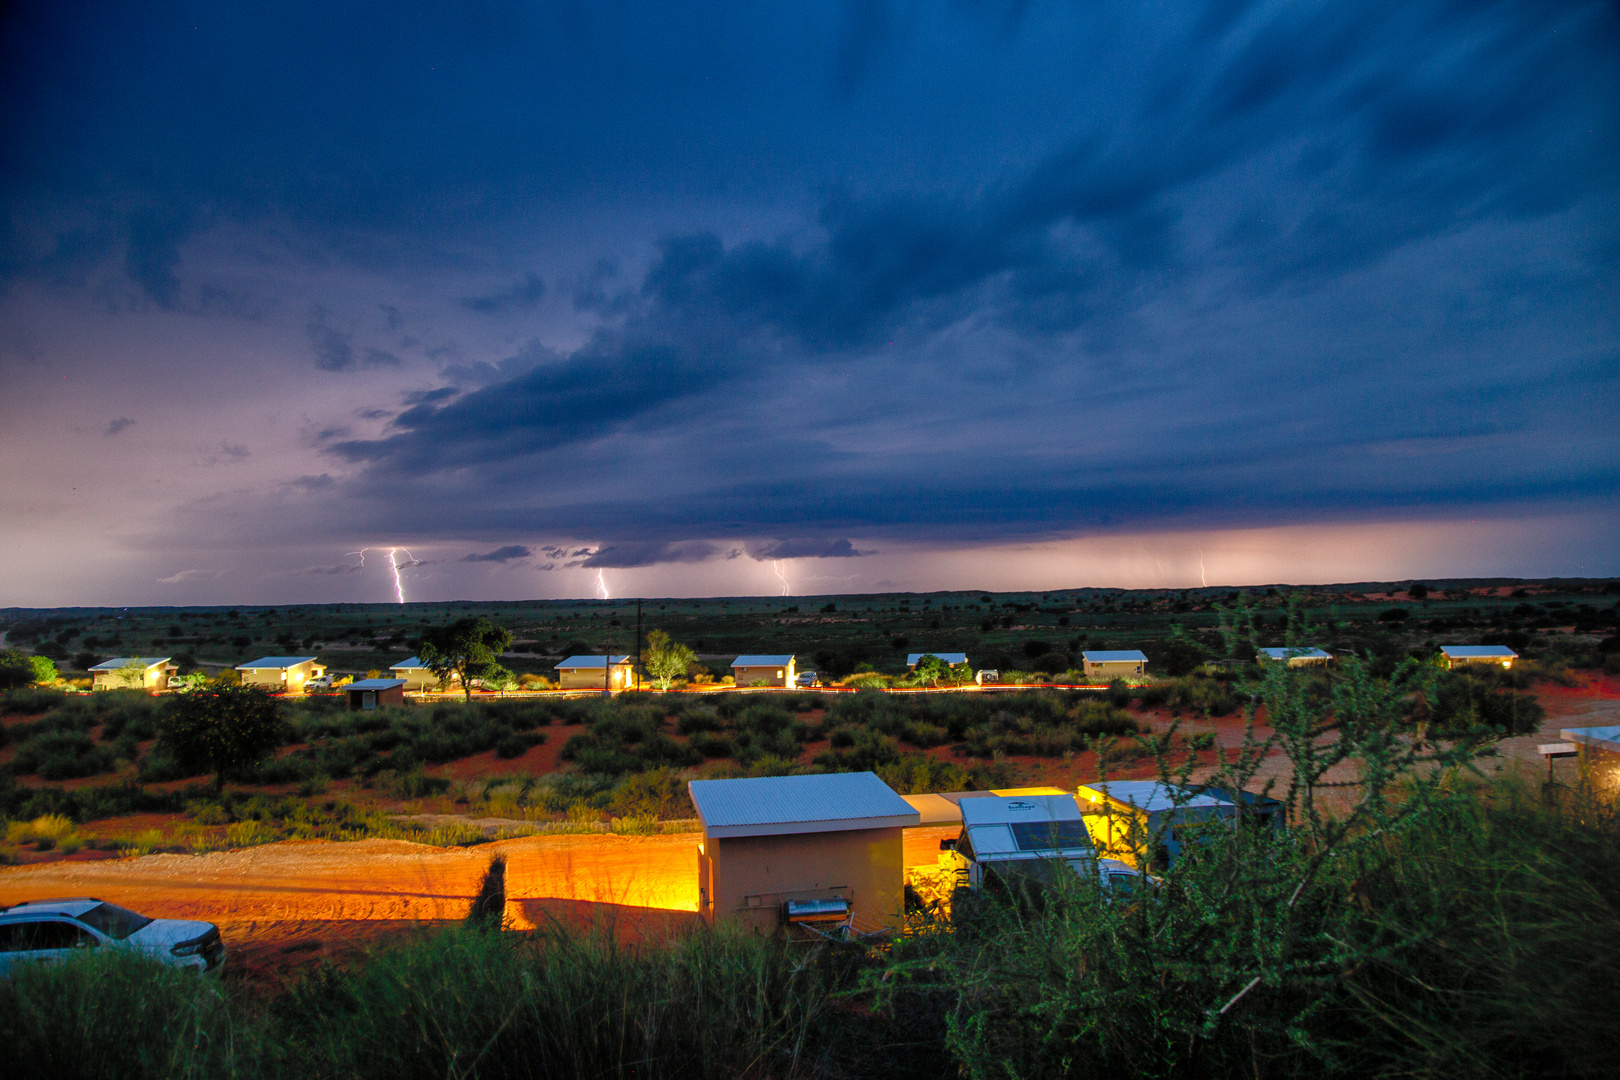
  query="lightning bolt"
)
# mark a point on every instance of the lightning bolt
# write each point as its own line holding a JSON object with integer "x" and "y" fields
{"x": 393, "y": 565}
{"x": 601, "y": 583}
{"x": 399, "y": 588}
{"x": 776, "y": 564}
{"x": 1201, "y": 575}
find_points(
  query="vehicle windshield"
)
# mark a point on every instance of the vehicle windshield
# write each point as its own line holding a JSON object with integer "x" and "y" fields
{"x": 114, "y": 921}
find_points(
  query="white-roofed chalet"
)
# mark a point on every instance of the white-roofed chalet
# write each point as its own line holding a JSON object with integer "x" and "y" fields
{"x": 773, "y": 670}
{"x": 416, "y": 675}
{"x": 1297, "y": 655}
{"x": 1114, "y": 664}
{"x": 1460, "y": 655}
{"x": 284, "y": 673}
{"x": 771, "y": 840}
{"x": 132, "y": 673}
{"x": 591, "y": 673}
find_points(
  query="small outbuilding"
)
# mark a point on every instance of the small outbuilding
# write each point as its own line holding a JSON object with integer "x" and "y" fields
{"x": 774, "y": 847}
{"x": 1457, "y": 656}
{"x": 1297, "y": 655}
{"x": 286, "y": 674}
{"x": 367, "y": 694}
{"x": 1109, "y": 664}
{"x": 416, "y": 675}
{"x": 132, "y": 673}
{"x": 596, "y": 673}
{"x": 764, "y": 670}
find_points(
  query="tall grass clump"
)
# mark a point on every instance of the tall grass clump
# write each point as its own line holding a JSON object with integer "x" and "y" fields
{"x": 464, "y": 1003}
{"x": 114, "y": 1014}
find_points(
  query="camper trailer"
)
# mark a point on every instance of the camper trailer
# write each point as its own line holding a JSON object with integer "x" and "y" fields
{"x": 1028, "y": 837}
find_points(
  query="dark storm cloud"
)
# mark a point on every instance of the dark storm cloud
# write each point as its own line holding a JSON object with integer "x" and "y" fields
{"x": 522, "y": 296}
{"x": 649, "y": 553}
{"x": 867, "y": 270}
{"x": 500, "y": 554}
{"x": 430, "y": 397}
{"x": 116, "y": 425}
{"x": 806, "y": 549}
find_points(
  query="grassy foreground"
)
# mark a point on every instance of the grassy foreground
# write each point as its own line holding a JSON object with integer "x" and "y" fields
{"x": 1483, "y": 941}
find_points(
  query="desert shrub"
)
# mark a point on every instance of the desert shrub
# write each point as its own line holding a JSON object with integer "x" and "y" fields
{"x": 30, "y": 701}
{"x": 911, "y": 774}
{"x": 711, "y": 744}
{"x": 628, "y": 741}
{"x": 1207, "y": 696}
{"x": 657, "y": 794}
{"x": 1152, "y": 695}
{"x": 47, "y": 830}
{"x": 925, "y": 735}
{"x": 1464, "y": 702}
{"x": 692, "y": 721}
{"x": 517, "y": 744}
{"x": 61, "y": 755}
{"x": 557, "y": 792}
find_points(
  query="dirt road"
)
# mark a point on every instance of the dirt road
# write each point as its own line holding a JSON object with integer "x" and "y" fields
{"x": 300, "y": 881}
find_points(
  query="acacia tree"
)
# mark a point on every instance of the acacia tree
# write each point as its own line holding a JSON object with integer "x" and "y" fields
{"x": 227, "y": 729}
{"x": 667, "y": 660}
{"x": 466, "y": 649}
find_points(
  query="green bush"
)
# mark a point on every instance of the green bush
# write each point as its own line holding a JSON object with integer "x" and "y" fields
{"x": 30, "y": 701}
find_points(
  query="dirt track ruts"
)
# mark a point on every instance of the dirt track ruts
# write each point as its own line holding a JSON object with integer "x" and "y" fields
{"x": 376, "y": 879}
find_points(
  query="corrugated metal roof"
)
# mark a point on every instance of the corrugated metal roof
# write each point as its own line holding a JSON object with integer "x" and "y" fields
{"x": 1116, "y": 656}
{"x": 123, "y": 661}
{"x": 779, "y": 805}
{"x": 763, "y": 661}
{"x": 592, "y": 661}
{"x": 1297, "y": 653}
{"x": 1475, "y": 651}
{"x": 410, "y": 663}
{"x": 1004, "y": 810}
{"x": 913, "y": 659}
{"x": 375, "y": 684}
{"x": 1151, "y": 796}
{"x": 1604, "y": 738}
{"x": 274, "y": 662}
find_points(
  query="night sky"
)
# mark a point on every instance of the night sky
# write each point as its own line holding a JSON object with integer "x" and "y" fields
{"x": 698, "y": 298}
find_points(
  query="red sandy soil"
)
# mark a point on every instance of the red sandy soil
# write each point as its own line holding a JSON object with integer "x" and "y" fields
{"x": 288, "y": 903}
{"x": 538, "y": 761}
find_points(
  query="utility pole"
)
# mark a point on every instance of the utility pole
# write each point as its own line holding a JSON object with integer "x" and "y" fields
{"x": 638, "y": 643}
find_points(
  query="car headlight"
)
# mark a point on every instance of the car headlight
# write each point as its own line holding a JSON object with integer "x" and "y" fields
{"x": 188, "y": 948}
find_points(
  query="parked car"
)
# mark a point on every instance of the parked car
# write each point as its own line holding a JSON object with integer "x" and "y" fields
{"x": 319, "y": 682}
{"x": 987, "y": 675}
{"x": 52, "y": 930}
{"x": 806, "y": 679}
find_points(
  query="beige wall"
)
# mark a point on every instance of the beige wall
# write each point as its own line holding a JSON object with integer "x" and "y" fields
{"x": 1600, "y": 768}
{"x": 154, "y": 678}
{"x": 591, "y": 678}
{"x": 1463, "y": 661}
{"x": 271, "y": 679}
{"x": 764, "y": 676}
{"x": 1119, "y": 669}
{"x": 749, "y": 877}
{"x": 416, "y": 679}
